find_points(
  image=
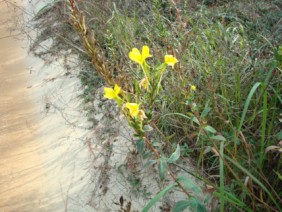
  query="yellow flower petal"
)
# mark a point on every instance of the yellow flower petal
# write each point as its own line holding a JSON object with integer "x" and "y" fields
{"x": 145, "y": 53}
{"x": 133, "y": 109}
{"x": 170, "y": 60}
{"x": 112, "y": 93}
{"x": 117, "y": 89}
{"x": 109, "y": 93}
{"x": 136, "y": 56}
{"x": 193, "y": 88}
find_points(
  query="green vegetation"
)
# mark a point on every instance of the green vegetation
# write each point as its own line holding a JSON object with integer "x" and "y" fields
{"x": 220, "y": 104}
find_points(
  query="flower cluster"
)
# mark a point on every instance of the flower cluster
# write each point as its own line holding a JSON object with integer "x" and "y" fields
{"x": 114, "y": 93}
{"x": 140, "y": 58}
{"x": 146, "y": 90}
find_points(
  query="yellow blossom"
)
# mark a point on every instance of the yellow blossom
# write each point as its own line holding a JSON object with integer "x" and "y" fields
{"x": 137, "y": 57}
{"x": 193, "y": 88}
{"x": 112, "y": 93}
{"x": 133, "y": 109}
{"x": 170, "y": 60}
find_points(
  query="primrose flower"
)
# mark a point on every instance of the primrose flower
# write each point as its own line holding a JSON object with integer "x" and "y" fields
{"x": 112, "y": 93}
{"x": 193, "y": 88}
{"x": 133, "y": 109}
{"x": 170, "y": 60}
{"x": 138, "y": 57}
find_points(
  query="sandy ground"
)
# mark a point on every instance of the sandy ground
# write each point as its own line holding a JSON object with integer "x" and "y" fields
{"x": 43, "y": 160}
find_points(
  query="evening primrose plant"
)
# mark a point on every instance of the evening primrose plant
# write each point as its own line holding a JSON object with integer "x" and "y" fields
{"x": 138, "y": 106}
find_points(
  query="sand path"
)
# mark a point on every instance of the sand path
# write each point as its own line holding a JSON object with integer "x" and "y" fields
{"x": 43, "y": 162}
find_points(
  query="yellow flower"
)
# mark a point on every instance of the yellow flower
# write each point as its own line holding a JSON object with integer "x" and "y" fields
{"x": 133, "y": 109}
{"x": 170, "y": 60}
{"x": 144, "y": 83}
{"x": 137, "y": 57}
{"x": 193, "y": 88}
{"x": 112, "y": 93}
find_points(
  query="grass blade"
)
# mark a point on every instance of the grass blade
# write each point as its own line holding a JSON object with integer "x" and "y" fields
{"x": 263, "y": 127}
{"x": 158, "y": 196}
{"x": 247, "y": 103}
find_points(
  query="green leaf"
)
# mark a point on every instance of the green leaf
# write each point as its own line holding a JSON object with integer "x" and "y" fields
{"x": 194, "y": 119}
{"x": 263, "y": 126}
{"x": 233, "y": 200}
{"x": 174, "y": 156}
{"x": 147, "y": 154}
{"x": 205, "y": 112}
{"x": 149, "y": 163}
{"x": 189, "y": 184}
{"x": 279, "y": 175}
{"x": 279, "y": 135}
{"x": 210, "y": 129}
{"x": 158, "y": 196}
{"x": 247, "y": 103}
{"x": 197, "y": 205}
{"x": 163, "y": 167}
{"x": 218, "y": 138}
{"x": 181, "y": 205}
{"x": 193, "y": 203}
{"x": 147, "y": 128}
{"x": 140, "y": 146}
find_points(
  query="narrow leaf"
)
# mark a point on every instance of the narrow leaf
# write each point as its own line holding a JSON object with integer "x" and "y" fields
{"x": 247, "y": 103}
{"x": 189, "y": 184}
{"x": 140, "y": 146}
{"x": 158, "y": 196}
{"x": 218, "y": 138}
{"x": 205, "y": 112}
{"x": 233, "y": 200}
{"x": 181, "y": 206}
{"x": 174, "y": 156}
{"x": 163, "y": 167}
{"x": 197, "y": 205}
{"x": 210, "y": 129}
{"x": 149, "y": 163}
{"x": 147, "y": 128}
